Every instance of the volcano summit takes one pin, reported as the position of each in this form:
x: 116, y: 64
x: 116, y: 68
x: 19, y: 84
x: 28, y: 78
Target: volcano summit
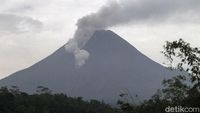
x: 113, y: 67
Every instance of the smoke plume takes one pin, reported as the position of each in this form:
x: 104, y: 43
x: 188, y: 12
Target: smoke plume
x: 137, y: 11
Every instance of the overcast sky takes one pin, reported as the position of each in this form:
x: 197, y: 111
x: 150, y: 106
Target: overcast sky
x: 30, y: 30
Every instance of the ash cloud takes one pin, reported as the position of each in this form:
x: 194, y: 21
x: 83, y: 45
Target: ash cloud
x: 138, y: 11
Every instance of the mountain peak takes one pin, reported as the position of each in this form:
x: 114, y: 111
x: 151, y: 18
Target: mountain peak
x: 107, y: 42
x: 104, y: 32
x: 114, y: 66
x: 104, y: 36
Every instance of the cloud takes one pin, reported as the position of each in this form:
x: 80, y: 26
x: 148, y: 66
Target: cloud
x: 26, y: 47
x: 18, y: 24
x: 155, y: 10
x: 58, y: 18
x: 115, y: 13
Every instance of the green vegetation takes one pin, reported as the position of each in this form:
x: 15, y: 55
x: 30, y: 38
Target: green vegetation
x: 181, y: 90
x: 14, y: 101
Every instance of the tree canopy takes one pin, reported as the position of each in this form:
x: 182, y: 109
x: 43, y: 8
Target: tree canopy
x: 178, y: 90
x: 14, y: 101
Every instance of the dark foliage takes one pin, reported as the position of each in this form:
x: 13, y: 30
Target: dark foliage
x: 14, y: 101
x: 179, y: 90
x: 189, y: 57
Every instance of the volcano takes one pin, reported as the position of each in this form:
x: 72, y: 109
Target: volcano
x: 114, y: 67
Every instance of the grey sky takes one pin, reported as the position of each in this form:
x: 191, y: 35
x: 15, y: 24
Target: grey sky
x: 31, y: 30
x: 10, y: 23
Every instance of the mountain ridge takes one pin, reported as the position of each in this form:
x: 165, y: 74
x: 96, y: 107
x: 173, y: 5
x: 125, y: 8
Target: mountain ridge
x: 114, y: 66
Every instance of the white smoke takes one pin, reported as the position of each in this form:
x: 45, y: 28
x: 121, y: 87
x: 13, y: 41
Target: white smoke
x: 115, y: 13
x: 87, y: 25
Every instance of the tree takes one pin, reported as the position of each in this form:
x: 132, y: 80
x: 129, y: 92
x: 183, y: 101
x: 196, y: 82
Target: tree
x: 43, y: 90
x: 15, y: 101
x: 189, y: 58
x: 178, y: 90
